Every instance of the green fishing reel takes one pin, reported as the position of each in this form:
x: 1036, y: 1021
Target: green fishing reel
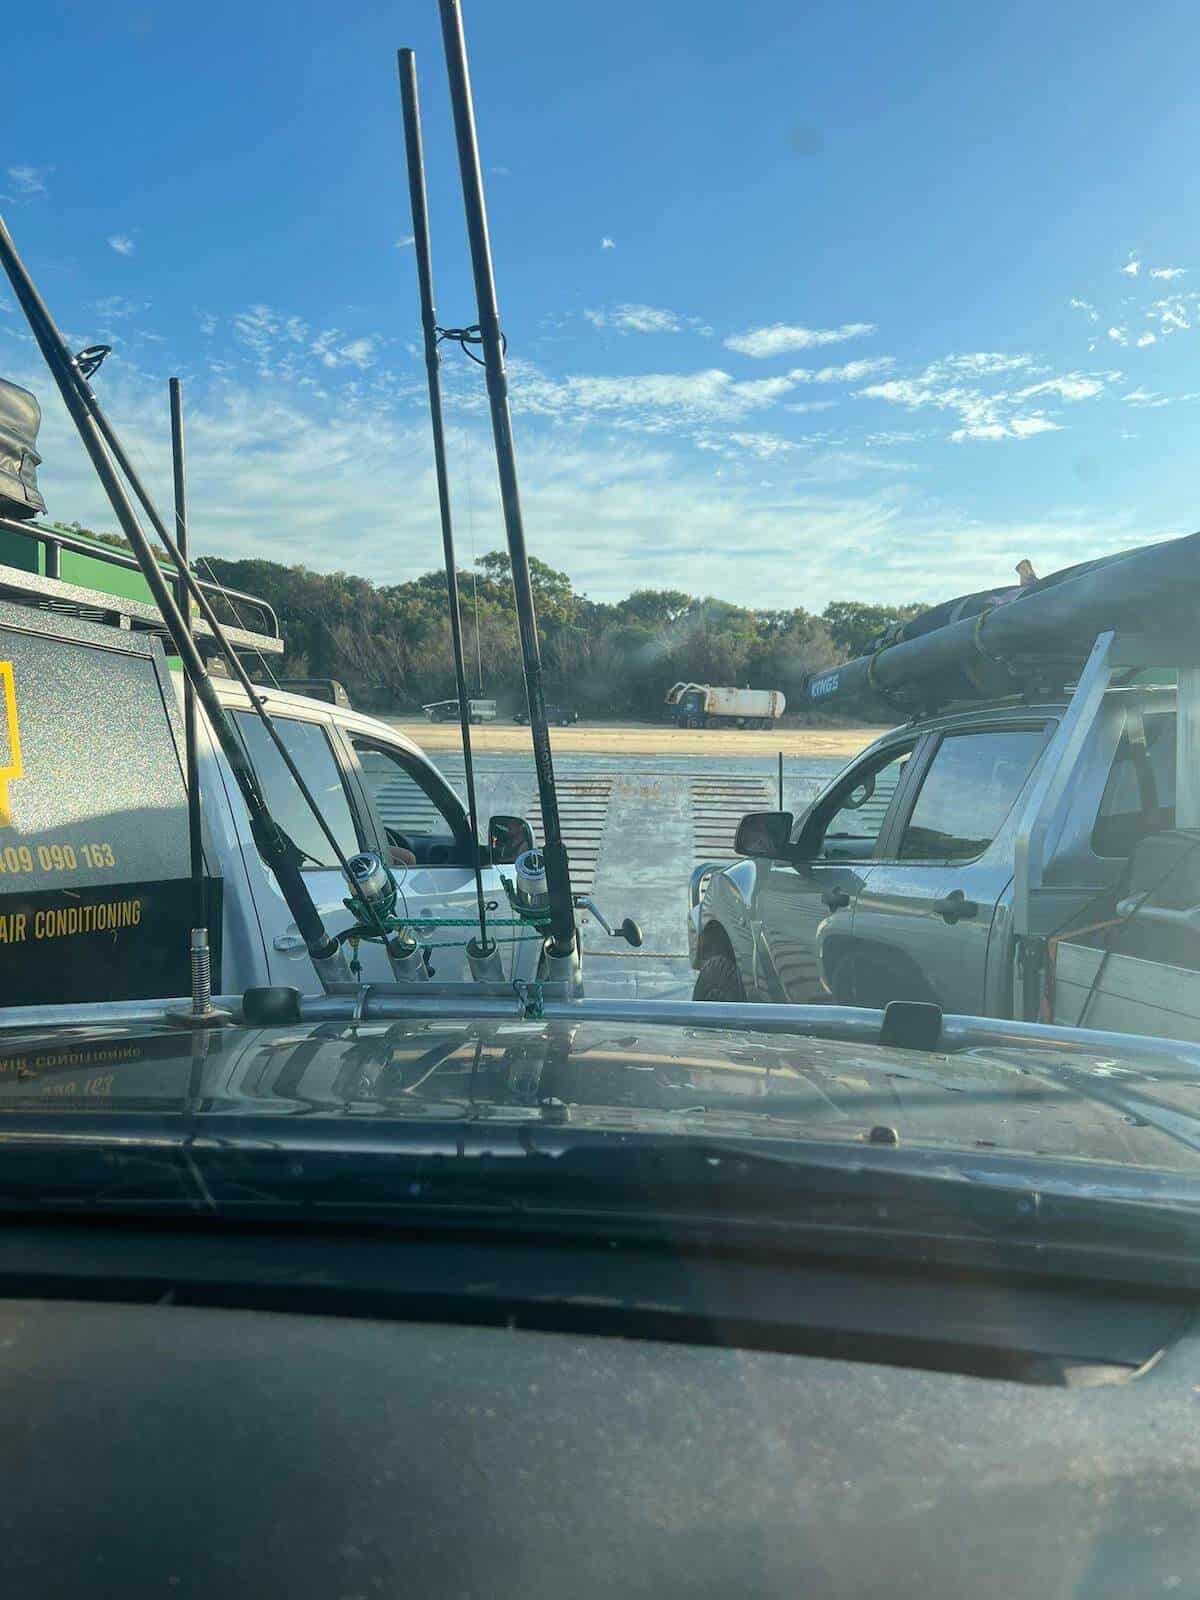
x: 373, y: 903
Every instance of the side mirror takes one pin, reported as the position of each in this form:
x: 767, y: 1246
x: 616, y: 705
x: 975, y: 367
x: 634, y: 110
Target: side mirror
x: 508, y: 837
x: 765, y: 835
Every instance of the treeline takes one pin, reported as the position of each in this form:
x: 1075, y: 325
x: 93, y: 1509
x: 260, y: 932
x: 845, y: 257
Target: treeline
x: 390, y: 643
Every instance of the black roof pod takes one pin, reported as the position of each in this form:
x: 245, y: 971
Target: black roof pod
x: 20, y: 418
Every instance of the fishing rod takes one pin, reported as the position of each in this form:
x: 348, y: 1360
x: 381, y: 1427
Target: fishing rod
x: 70, y: 374
x: 482, y: 953
x: 563, y: 943
x: 368, y: 889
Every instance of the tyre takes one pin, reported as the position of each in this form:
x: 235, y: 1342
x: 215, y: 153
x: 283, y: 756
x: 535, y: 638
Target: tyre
x: 719, y: 979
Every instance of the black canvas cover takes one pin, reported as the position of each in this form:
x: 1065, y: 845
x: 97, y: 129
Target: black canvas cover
x: 20, y: 417
x: 976, y: 646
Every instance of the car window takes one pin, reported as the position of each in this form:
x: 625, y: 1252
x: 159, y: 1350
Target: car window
x: 968, y: 791
x: 308, y: 745
x: 402, y: 803
x: 1139, y: 797
x: 854, y: 828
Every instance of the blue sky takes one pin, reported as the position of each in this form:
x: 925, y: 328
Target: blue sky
x: 802, y: 301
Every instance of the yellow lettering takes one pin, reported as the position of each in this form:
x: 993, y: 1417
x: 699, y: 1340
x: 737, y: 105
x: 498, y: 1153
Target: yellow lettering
x: 11, y: 769
x: 63, y: 922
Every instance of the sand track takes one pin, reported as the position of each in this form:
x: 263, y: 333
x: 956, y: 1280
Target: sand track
x: 644, y: 739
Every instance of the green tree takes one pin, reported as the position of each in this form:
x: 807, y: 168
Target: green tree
x: 854, y: 626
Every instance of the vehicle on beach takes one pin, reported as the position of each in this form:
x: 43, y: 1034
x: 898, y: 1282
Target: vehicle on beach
x: 448, y: 711
x: 1034, y: 856
x: 699, y: 705
x: 561, y: 715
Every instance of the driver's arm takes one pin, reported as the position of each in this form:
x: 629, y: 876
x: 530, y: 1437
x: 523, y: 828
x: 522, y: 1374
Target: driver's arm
x: 401, y: 857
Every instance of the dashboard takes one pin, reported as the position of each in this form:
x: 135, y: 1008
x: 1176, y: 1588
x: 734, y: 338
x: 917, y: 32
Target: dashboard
x: 194, y: 1413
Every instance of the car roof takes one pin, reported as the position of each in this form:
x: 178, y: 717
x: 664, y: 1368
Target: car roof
x: 231, y: 693
x: 997, y: 712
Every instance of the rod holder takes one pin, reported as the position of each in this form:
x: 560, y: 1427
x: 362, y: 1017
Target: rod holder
x: 567, y: 969
x: 408, y: 960
x: 484, y: 961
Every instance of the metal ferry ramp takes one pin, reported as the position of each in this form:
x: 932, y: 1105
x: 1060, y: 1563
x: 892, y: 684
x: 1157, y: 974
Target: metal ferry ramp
x: 634, y: 831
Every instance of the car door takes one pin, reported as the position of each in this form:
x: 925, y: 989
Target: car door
x: 806, y: 910
x: 310, y: 741
x: 413, y: 808
x: 923, y: 920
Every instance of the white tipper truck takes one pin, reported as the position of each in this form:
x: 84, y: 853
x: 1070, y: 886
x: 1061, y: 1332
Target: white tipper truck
x: 701, y: 705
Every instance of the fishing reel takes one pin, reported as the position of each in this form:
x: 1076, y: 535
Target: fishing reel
x: 373, y: 906
x: 531, y: 898
x: 629, y: 930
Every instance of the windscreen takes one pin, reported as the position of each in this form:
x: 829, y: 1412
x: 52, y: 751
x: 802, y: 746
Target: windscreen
x: 825, y: 469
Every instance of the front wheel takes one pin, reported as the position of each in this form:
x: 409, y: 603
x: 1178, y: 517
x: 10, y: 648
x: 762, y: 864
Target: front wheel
x: 719, y: 979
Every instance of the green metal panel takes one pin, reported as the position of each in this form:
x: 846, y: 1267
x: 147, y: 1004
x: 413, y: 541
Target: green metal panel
x: 16, y: 550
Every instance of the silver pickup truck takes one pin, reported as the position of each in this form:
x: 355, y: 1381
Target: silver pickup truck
x: 980, y: 860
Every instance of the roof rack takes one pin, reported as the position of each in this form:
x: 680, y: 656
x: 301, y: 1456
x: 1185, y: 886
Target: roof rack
x: 46, y: 590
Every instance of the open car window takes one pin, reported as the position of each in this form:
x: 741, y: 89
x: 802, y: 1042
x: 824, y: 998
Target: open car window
x: 861, y: 809
x: 411, y: 807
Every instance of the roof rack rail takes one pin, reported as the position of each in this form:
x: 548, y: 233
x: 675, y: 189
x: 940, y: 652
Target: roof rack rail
x: 43, y: 587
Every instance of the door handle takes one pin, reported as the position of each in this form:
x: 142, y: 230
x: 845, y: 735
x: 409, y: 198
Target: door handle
x: 289, y: 944
x: 955, y: 907
x: 836, y: 899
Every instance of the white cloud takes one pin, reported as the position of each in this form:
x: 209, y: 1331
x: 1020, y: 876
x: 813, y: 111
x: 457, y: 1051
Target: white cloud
x: 608, y: 244
x: 207, y: 323
x: 121, y: 243
x: 260, y: 455
x: 653, y: 401
x: 780, y: 337
x: 116, y: 308
x: 1133, y: 266
x: 360, y: 352
x: 1146, y: 339
x: 29, y: 180
x: 811, y: 405
x: 636, y: 319
x: 1173, y: 314
x: 1118, y: 335
x: 952, y: 385
x: 763, y: 445
x: 500, y: 172
x: 1167, y: 272
x: 851, y: 372
x: 331, y: 352
x: 403, y: 244
x: 257, y: 328
x: 1146, y: 399
x: 1074, y: 386
x: 1025, y: 427
x: 1088, y: 309
x: 984, y: 363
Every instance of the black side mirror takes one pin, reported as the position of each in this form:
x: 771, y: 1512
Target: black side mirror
x: 508, y: 837
x: 764, y: 834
